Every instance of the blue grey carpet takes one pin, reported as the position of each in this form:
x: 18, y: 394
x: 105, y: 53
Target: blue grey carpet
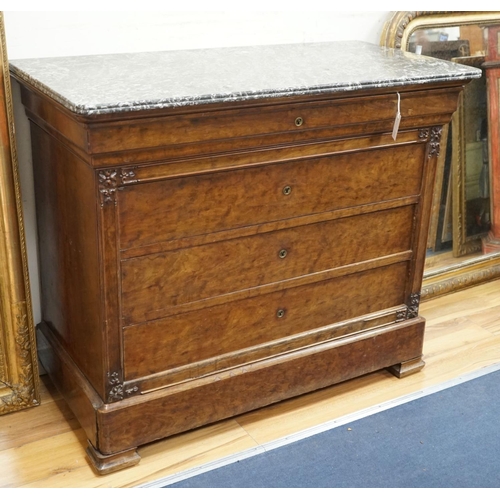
x: 448, y: 439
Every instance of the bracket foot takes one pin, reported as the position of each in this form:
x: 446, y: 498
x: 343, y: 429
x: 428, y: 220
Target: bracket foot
x: 105, y: 464
x: 407, y: 367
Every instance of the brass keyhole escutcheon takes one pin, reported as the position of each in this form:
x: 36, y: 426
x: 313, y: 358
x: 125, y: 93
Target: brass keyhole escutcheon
x: 282, y: 253
x: 287, y: 190
x: 299, y: 121
x: 280, y: 313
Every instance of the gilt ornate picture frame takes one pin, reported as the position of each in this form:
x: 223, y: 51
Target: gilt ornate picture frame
x: 19, y: 382
x: 467, y: 265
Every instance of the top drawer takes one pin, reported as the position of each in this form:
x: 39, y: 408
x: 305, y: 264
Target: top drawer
x: 256, y: 126
x: 171, y: 209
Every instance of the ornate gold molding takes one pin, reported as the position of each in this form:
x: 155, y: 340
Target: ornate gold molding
x: 394, y: 28
x: 19, y: 384
x: 458, y: 278
x: 402, y: 24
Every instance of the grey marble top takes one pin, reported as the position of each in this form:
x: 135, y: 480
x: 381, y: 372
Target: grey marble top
x: 100, y: 84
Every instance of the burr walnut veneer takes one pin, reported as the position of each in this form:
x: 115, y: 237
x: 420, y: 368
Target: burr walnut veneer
x: 202, y: 259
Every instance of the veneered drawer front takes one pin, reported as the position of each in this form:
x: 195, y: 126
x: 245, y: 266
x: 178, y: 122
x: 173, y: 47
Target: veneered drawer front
x: 267, y: 125
x: 207, y: 333
x: 201, y: 204
x: 153, y: 285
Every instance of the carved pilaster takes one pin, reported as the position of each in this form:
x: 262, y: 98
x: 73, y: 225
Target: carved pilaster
x: 411, y: 309
x: 108, y: 183
x: 117, y: 390
x: 433, y: 135
x: 413, y: 306
x: 112, y: 180
x: 115, y: 387
x: 435, y: 141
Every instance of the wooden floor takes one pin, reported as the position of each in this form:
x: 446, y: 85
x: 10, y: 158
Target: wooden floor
x: 44, y: 447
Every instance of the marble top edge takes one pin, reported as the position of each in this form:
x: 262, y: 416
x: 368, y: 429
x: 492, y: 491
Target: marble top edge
x: 101, y: 84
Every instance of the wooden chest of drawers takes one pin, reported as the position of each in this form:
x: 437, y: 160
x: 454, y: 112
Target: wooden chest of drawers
x: 199, y: 260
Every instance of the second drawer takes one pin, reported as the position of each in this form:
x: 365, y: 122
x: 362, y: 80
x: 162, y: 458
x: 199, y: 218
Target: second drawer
x: 154, y: 285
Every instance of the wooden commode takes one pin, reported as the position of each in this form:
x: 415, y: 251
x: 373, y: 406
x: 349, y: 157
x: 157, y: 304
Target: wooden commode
x: 222, y: 229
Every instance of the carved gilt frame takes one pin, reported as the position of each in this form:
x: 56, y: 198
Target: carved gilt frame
x: 462, y: 243
x: 395, y: 34
x: 19, y: 382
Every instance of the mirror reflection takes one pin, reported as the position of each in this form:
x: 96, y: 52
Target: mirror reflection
x: 461, y: 213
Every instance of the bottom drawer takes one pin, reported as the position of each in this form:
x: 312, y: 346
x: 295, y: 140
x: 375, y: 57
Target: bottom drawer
x: 195, y: 337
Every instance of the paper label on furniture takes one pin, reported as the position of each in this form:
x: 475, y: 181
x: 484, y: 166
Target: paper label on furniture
x: 397, y: 120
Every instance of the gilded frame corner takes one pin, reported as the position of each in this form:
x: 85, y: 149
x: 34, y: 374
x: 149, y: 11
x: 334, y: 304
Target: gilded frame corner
x: 19, y: 381
x: 402, y: 24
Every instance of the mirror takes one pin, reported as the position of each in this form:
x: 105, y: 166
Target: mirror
x: 470, y: 166
x: 18, y: 363
x: 461, y: 215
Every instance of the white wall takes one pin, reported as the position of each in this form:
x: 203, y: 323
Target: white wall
x: 47, y: 34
